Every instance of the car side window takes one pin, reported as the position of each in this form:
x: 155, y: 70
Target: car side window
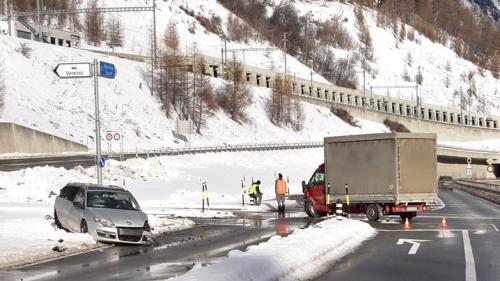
x: 70, y: 193
x: 80, y: 197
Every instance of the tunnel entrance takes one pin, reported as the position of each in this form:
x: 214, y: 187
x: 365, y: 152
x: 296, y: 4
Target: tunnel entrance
x: 496, y: 170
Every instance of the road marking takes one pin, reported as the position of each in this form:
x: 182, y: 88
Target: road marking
x: 417, y: 230
x: 470, y: 267
x: 495, y: 227
x: 459, y: 217
x: 415, y: 244
x: 40, y: 276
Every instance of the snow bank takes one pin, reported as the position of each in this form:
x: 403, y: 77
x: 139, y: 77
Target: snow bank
x: 293, y: 257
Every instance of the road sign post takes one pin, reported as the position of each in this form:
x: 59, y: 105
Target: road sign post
x: 88, y: 70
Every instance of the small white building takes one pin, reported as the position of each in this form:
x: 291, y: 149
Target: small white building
x: 28, y: 31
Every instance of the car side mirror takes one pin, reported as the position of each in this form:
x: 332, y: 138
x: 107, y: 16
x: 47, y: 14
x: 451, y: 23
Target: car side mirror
x: 78, y: 205
x: 303, y: 186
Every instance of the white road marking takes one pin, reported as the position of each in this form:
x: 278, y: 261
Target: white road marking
x: 495, y: 227
x: 417, y: 230
x: 470, y: 266
x: 415, y: 244
x: 40, y: 276
x: 459, y: 217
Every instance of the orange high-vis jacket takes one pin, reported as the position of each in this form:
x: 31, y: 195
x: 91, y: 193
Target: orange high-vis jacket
x: 280, y: 187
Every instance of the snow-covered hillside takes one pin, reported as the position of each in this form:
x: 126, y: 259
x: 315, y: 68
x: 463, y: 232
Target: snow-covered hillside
x: 37, y: 98
x: 440, y: 66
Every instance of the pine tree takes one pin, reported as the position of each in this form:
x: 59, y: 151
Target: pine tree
x: 114, y: 32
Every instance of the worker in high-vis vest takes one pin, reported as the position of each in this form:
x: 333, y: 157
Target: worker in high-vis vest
x: 254, y: 192
x: 280, y: 189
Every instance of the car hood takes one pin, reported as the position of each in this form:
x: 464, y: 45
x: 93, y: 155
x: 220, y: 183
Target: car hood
x: 123, y: 218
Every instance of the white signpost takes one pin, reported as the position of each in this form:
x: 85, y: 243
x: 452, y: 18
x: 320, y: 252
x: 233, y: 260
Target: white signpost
x: 469, y: 167
x: 88, y: 70
x: 73, y: 70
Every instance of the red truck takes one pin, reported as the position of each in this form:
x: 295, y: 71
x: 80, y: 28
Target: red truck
x: 375, y: 174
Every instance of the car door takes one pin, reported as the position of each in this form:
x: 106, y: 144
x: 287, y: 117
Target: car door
x: 64, y: 204
x: 75, y: 213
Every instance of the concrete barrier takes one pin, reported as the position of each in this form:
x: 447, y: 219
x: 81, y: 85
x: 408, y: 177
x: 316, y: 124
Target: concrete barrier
x: 16, y: 138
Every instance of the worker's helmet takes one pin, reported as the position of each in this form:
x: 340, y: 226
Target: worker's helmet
x: 257, y: 182
x: 280, y: 176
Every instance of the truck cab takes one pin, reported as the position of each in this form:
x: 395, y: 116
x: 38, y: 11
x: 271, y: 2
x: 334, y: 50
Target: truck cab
x: 314, y: 193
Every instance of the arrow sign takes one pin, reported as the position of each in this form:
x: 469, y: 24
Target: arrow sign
x: 73, y: 70
x: 107, y: 70
x: 415, y: 244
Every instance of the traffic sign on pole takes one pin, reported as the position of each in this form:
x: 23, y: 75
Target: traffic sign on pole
x: 490, y: 169
x: 109, y: 136
x: 102, y: 162
x: 116, y: 136
x: 73, y: 70
x: 490, y: 161
x: 469, y: 161
x: 107, y: 70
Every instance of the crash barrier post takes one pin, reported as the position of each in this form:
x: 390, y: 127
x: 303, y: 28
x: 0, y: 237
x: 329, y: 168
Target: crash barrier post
x: 328, y: 186
x: 347, y: 201
x: 338, y: 210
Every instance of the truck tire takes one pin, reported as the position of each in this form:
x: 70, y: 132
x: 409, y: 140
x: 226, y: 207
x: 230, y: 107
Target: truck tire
x: 310, y: 210
x: 372, y: 212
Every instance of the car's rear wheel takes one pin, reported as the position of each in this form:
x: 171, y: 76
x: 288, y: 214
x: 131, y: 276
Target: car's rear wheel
x: 56, y: 220
x: 83, y: 227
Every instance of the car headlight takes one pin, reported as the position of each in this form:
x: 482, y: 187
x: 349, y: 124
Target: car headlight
x: 104, y: 222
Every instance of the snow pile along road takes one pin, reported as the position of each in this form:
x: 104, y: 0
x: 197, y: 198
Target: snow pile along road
x: 296, y: 256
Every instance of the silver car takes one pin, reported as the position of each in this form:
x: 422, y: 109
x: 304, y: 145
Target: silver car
x: 107, y: 213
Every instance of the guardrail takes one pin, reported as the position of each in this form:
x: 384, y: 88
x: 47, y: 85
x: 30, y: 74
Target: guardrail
x: 88, y: 159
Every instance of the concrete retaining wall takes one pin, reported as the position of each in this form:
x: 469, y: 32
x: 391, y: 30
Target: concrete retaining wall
x: 15, y: 138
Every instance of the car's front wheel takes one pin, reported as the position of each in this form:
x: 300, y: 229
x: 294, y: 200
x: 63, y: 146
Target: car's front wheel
x: 83, y: 227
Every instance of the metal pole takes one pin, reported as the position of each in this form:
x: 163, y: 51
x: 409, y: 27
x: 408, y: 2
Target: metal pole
x: 225, y: 60
x: 154, y: 32
x: 97, y: 122
x: 38, y: 11
x: 285, y: 52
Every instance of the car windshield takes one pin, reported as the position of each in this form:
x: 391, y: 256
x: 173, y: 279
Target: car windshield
x: 111, y: 200
x: 444, y: 178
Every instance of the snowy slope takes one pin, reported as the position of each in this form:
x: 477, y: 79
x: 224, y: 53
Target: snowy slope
x: 438, y: 62
x: 137, y: 30
x: 37, y: 98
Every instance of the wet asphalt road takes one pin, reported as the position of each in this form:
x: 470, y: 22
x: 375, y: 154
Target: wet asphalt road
x: 467, y: 249
x: 176, y: 253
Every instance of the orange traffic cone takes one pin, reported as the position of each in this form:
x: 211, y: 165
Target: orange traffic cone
x: 443, y: 222
x: 407, y: 223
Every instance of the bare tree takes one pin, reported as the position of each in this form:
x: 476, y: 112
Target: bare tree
x: 282, y: 107
x: 235, y: 96
x: 94, y: 25
x: 419, y: 77
x: 174, y: 67
x: 203, y: 99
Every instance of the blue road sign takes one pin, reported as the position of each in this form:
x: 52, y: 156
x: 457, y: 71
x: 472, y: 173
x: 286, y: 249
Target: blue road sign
x: 107, y: 70
x: 102, y: 162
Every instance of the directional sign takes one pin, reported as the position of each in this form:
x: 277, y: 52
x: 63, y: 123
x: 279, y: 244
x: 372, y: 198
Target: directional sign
x: 107, y: 70
x: 102, y: 162
x: 73, y: 70
x: 415, y: 244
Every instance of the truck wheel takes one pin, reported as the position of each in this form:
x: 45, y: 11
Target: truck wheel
x: 310, y: 210
x: 372, y: 212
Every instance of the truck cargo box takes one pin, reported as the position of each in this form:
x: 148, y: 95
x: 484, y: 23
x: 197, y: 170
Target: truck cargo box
x: 381, y: 168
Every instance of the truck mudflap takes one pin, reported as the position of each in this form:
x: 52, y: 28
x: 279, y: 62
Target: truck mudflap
x: 404, y: 208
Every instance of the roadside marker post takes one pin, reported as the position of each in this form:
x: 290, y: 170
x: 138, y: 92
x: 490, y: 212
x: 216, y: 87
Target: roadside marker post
x: 347, y: 200
x: 338, y: 211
